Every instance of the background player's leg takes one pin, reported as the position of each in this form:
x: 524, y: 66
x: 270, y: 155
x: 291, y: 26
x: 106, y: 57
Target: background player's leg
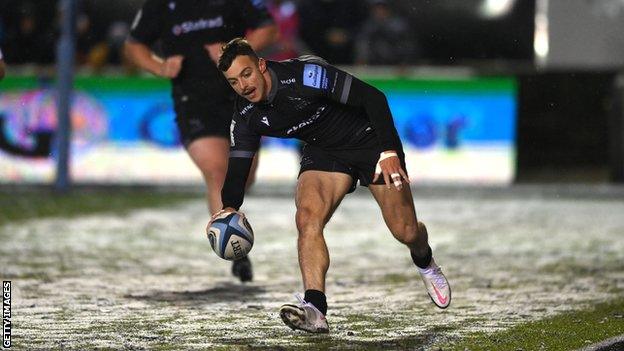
x: 210, y: 155
x: 318, y: 195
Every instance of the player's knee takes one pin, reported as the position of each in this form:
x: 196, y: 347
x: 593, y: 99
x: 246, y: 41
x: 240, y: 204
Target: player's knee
x: 214, y: 172
x: 308, y: 222
x: 406, y: 232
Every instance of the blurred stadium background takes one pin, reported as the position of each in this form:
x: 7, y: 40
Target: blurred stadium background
x: 486, y: 94
x: 483, y: 91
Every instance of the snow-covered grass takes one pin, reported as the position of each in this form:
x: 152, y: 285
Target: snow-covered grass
x: 148, y: 279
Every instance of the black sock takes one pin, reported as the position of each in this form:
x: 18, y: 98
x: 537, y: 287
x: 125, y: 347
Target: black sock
x: 424, y: 261
x: 318, y: 299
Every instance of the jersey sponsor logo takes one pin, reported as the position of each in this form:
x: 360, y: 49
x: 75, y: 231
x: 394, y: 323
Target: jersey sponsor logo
x: 200, y: 24
x: 288, y: 81
x: 314, y: 76
x: 246, y: 108
x: 265, y: 120
x: 307, y: 122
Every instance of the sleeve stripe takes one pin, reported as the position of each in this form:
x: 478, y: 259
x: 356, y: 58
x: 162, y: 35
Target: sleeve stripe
x: 346, y: 88
x: 242, y: 154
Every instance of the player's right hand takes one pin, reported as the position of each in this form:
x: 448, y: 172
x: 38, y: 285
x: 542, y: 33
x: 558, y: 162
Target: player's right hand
x: 172, y: 66
x: 389, y: 166
x: 218, y: 213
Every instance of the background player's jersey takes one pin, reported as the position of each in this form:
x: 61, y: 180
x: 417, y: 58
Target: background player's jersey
x: 183, y: 27
x: 312, y: 101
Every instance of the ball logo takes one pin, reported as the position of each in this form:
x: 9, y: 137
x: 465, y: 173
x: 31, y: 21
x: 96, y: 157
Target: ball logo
x: 236, y: 248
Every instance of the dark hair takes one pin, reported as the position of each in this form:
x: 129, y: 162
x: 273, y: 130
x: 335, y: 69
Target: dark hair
x: 236, y: 47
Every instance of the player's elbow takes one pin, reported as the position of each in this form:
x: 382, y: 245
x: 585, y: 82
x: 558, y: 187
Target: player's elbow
x: 128, y: 50
x: 263, y: 37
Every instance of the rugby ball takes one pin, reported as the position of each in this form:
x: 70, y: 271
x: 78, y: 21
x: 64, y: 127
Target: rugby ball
x: 231, y: 236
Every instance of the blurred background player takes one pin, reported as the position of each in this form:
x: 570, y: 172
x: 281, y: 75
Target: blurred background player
x: 385, y: 38
x: 188, y: 35
x: 287, y: 18
x: 350, y: 137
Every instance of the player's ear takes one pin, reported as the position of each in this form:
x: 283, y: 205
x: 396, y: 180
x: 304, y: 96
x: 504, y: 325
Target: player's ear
x: 262, y: 65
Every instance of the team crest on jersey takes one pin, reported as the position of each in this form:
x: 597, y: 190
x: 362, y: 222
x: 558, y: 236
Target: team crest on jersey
x: 314, y: 76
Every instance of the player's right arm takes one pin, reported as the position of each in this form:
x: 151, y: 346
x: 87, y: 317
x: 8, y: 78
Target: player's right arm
x: 145, y: 30
x: 244, y: 145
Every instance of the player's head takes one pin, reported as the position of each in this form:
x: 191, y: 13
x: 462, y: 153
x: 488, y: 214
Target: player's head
x: 244, y: 70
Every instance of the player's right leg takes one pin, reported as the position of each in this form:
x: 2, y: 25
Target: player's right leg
x: 318, y: 195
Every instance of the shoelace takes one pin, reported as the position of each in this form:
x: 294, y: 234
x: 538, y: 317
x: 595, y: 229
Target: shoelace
x: 435, y: 274
x: 305, y: 303
x: 300, y: 298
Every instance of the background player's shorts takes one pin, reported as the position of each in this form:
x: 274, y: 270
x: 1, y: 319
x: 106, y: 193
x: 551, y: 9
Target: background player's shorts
x: 359, y: 163
x: 200, y: 114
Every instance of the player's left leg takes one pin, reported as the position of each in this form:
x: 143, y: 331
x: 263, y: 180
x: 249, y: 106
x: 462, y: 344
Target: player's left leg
x: 397, y: 207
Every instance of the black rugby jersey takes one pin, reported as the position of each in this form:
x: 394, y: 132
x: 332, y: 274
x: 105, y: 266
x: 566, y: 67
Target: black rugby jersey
x: 312, y: 101
x: 183, y: 27
x: 315, y: 102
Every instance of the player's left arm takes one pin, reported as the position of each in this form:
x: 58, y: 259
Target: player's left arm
x: 262, y: 37
x: 342, y: 87
x: 262, y: 30
x: 375, y: 103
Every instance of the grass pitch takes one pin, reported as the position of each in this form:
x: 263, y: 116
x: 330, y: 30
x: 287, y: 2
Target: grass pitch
x: 529, y: 273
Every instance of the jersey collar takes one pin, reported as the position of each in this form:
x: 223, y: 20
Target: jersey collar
x: 274, y: 82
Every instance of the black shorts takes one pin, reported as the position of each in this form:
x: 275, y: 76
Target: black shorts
x: 360, y: 164
x: 200, y: 114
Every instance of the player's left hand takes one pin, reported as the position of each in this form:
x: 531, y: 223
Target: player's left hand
x: 389, y: 166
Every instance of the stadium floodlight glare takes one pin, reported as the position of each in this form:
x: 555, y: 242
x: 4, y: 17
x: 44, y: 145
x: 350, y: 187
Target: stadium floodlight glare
x: 540, y: 39
x: 496, y: 8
